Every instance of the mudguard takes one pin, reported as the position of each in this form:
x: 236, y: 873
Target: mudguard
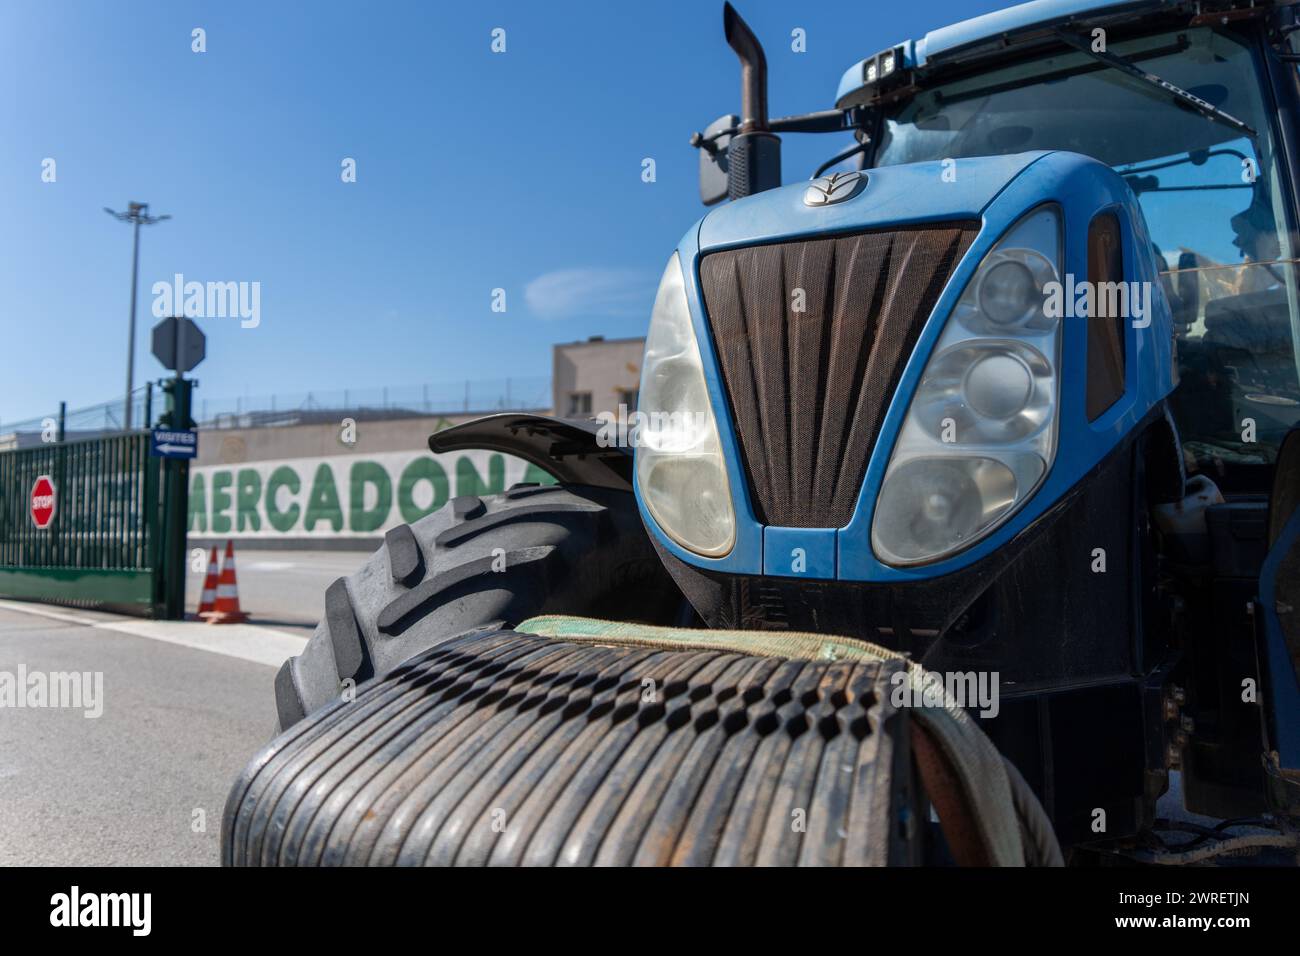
x: 569, y: 449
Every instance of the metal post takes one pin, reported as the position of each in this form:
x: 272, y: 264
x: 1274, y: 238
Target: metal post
x: 60, y: 484
x: 130, y: 339
x: 176, y: 481
x: 137, y: 213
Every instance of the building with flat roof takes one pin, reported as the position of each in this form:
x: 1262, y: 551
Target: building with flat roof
x: 595, y: 376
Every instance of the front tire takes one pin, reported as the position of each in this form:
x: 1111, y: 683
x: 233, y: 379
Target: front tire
x: 479, y: 562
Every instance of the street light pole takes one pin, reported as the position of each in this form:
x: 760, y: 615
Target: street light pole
x: 138, y: 215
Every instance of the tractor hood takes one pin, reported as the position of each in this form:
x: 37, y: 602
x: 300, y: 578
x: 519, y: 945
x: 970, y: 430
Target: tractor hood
x: 891, y: 196
x: 821, y: 353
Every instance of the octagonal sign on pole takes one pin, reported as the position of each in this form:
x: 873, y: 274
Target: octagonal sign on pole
x: 43, y: 500
x: 178, y: 343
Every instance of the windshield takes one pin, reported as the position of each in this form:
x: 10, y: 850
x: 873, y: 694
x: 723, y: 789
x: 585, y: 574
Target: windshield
x: 1210, y: 196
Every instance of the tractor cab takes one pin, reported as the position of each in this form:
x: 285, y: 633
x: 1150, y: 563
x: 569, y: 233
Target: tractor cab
x: 1194, y: 105
x: 1214, y: 186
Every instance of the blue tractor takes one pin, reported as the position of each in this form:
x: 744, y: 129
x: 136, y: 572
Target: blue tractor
x: 957, y: 521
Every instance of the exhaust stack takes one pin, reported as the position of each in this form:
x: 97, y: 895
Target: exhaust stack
x: 753, y: 70
x: 754, y: 154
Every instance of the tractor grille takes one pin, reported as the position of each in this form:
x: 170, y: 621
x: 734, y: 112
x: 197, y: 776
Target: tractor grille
x: 808, y: 390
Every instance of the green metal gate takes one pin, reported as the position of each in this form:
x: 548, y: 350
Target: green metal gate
x: 105, y: 544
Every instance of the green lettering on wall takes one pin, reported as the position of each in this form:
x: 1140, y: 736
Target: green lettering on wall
x: 323, y: 502
x: 469, y: 482
x: 421, y: 469
x: 282, y: 477
x: 247, y: 490
x: 368, y: 473
x: 220, y: 501
x: 198, y: 516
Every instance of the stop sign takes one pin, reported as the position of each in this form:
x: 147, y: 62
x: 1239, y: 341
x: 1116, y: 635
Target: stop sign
x: 42, y: 502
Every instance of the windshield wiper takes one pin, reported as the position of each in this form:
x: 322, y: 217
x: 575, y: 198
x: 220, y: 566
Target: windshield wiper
x: 1176, y: 93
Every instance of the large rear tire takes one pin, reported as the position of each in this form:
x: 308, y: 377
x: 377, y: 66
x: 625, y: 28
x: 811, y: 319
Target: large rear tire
x: 477, y: 563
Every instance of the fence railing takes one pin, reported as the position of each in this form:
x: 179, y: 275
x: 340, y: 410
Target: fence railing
x: 529, y: 393
x: 93, y: 421
x: 391, y: 401
x: 99, y: 538
x: 106, y: 489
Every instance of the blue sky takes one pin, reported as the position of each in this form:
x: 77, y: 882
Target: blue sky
x: 475, y: 171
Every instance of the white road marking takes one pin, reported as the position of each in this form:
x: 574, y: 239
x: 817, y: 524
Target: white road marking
x: 44, y: 612
x: 248, y: 642
x: 269, y: 566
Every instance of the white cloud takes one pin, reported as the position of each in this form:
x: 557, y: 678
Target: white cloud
x: 565, y: 293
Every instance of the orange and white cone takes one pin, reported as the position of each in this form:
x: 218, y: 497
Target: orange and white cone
x: 208, y: 600
x: 227, y: 605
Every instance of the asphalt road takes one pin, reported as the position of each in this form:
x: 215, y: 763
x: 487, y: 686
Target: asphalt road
x: 178, y: 724
x: 284, y: 589
x: 181, y: 717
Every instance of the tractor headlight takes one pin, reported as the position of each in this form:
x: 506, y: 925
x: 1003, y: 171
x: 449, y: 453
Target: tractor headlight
x: 980, y: 433
x: 680, y: 469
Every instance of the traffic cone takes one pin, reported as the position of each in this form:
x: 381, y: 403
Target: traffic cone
x: 227, y: 609
x: 207, y: 602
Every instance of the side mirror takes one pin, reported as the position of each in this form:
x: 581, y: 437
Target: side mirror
x: 715, y: 169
